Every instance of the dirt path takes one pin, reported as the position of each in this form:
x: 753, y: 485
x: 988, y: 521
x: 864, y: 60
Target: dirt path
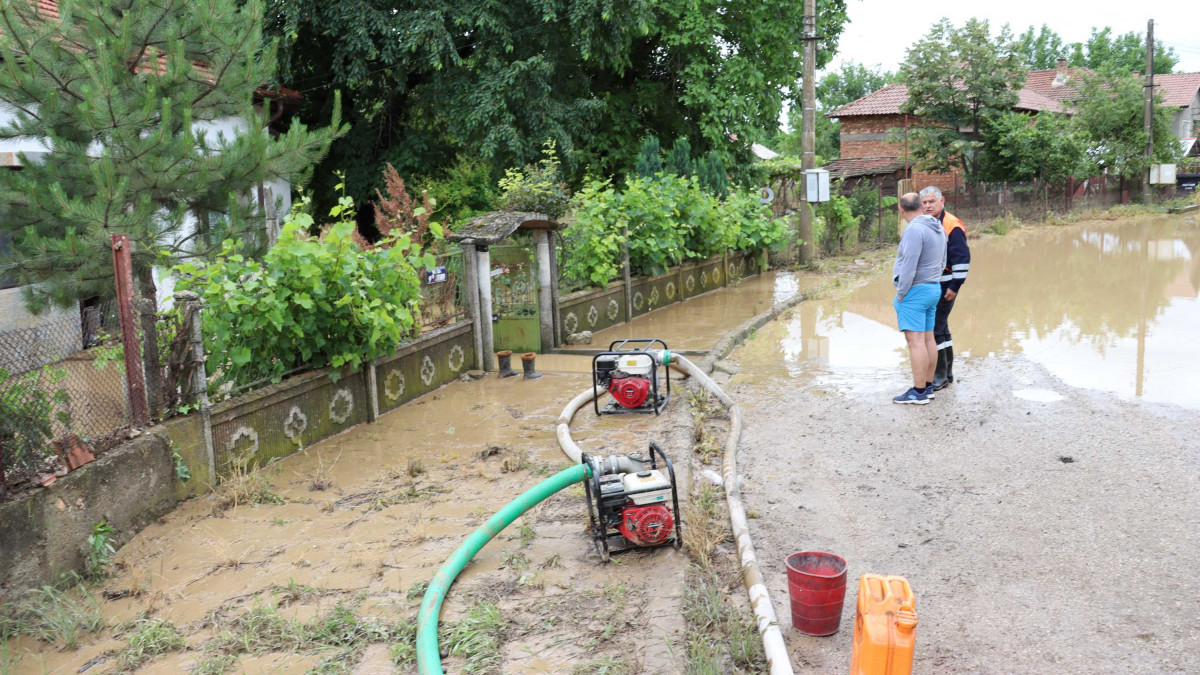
x: 1039, y: 537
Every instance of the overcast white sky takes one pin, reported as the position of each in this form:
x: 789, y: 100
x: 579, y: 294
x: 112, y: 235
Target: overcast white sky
x: 880, y: 30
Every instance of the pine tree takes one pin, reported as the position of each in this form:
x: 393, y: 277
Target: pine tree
x: 711, y: 171
x: 125, y: 94
x: 679, y: 161
x: 649, y: 160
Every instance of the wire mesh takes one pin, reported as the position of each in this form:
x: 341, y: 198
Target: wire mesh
x: 442, y: 292
x: 51, y: 387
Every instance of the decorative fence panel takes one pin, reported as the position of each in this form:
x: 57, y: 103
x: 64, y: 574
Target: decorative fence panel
x: 423, y: 366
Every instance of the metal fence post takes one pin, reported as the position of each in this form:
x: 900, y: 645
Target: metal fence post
x: 134, y: 378
x: 372, y: 393
x: 190, y: 302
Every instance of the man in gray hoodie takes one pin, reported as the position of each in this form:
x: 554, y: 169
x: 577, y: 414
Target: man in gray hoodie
x: 917, y: 276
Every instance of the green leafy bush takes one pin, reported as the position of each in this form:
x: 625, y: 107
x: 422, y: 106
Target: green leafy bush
x: 311, y: 301
x: 465, y: 190
x: 670, y: 219
x: 27, y: 414
x: 750, y: 223
x: 538, y: 188
x: 839, y: 221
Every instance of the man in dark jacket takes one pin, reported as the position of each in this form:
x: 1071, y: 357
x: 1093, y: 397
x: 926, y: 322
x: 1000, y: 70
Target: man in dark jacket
x: 958, y: 263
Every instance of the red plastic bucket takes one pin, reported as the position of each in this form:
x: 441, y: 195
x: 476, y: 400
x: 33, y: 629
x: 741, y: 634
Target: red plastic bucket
x: 817, y: 589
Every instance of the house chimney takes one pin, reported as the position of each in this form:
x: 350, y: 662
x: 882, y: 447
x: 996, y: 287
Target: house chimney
x: 1061, y: 64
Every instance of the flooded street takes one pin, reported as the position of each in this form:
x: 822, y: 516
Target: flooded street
x: 364, y: 519
x: 1043, y: 506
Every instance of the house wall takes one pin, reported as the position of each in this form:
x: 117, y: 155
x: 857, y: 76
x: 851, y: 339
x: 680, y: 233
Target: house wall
x: 1187, y: 119
x: 869, y: 136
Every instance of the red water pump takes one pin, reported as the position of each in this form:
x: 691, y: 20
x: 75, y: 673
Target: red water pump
x: 629, y: 372
x: 634, y: 510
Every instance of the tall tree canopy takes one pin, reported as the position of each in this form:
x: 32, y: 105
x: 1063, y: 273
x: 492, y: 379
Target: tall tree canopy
x: 1041, y: 50
x: 128, y: 98
x: 959, y: 81
x: 426, y: 81
x: 1109, y: 118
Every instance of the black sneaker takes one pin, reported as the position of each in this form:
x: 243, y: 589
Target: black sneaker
x: 913, y: 396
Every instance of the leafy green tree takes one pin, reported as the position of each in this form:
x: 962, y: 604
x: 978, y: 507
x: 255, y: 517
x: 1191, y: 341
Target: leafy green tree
x: 1019, y: 147
x: 1041, y: 50
x: 493, y: 80
x: 959, y: 80
x: 1109, y: 118
x: 126, y: 93
x: 1125, y: 52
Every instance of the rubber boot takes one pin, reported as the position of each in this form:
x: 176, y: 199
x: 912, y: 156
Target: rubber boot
x: 949, y: 364
x: 527, y: 363
x: 505, y: 359
x: 939, y: 372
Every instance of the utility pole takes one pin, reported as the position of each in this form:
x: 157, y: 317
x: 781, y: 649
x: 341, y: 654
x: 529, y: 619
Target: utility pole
x: 808, y: 133
x: 1149, y: 114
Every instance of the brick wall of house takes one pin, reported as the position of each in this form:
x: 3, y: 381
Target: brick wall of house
x: 869, y: 136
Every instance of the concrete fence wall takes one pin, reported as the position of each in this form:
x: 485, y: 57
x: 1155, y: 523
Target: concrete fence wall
x: 44, y: 534
x: 595, y: 310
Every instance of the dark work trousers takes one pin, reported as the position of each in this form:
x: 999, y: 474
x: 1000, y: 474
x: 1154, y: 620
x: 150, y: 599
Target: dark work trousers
x: 941, y: 329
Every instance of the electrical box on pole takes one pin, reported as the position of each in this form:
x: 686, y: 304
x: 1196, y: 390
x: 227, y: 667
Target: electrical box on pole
x: 1162, y: 174
x: 816, y: 185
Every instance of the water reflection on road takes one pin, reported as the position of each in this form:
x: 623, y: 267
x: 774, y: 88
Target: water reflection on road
x: 1109, y: 306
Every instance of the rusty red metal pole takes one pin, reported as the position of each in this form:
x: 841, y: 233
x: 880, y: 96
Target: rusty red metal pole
x: 134, y: 378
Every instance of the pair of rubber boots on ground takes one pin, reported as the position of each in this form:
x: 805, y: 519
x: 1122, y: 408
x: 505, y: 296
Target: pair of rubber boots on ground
x: 943, y: 375
x: 505, y: 359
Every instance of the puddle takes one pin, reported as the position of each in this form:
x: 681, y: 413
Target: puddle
x: 699, y: 322
x: 1108, y: 306
x: 1038, y: 395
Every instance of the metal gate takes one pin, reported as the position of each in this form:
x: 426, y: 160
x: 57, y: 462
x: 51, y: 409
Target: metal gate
x: 515, y: 299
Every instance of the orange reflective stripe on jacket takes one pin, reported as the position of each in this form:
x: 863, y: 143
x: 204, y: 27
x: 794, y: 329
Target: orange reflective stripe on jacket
x: 951, y: 221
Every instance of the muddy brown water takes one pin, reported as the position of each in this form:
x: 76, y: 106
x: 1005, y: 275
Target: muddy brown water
x: 697, y: 323
x: 373, y: 531
x: 1075, y: 342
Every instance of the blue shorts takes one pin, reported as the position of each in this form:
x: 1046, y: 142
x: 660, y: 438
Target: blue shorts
x: 918, y: 308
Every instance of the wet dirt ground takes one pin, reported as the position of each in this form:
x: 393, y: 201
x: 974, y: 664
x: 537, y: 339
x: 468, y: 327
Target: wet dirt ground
x: 1044, y: 505
x: 353, y: 524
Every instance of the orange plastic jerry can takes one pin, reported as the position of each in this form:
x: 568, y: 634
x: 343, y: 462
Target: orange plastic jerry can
x: 885, y: 627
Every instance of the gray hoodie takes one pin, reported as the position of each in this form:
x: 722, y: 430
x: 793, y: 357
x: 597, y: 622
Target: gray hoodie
x: 921, y: 256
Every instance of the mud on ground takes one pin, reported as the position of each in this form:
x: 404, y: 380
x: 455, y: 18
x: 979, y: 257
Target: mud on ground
x: 363, y: 520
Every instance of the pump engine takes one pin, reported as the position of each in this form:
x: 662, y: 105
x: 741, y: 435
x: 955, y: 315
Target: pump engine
x: 634, y: 510
x: 630, y: 374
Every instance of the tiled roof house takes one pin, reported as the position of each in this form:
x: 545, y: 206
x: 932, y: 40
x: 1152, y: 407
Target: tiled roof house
x: 870, y: 151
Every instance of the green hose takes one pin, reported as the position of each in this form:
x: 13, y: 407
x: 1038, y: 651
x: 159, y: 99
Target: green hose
x: 429, y: 658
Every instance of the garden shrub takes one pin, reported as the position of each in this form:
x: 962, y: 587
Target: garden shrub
x: 537, y: 188
x: 29, y: 406
x: 312, y: 301
x: 467, y: 189
x: 670, y: 219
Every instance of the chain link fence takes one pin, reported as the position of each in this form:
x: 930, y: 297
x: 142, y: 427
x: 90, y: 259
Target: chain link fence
x: 60, y: 378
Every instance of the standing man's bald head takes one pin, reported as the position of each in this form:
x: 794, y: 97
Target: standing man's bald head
x: 910, y: 205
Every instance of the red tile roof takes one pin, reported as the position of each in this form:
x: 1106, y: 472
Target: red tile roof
x: 863, y: 166
x: 48, y: 7
x: 1177, y: 89
x: 887, y: 101
x: 1042, y: 81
